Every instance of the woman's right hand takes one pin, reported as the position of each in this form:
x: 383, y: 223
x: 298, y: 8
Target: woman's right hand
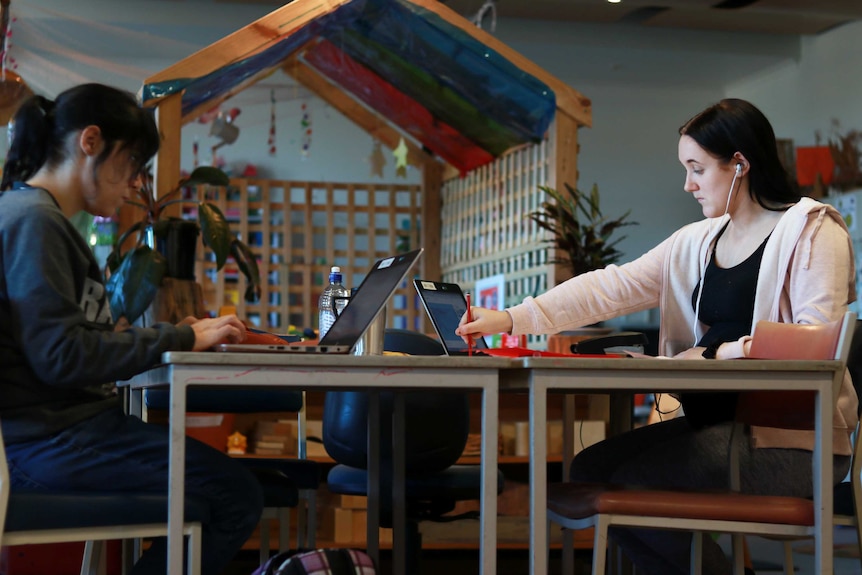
x: 212, y: 331
x: 484, y: 322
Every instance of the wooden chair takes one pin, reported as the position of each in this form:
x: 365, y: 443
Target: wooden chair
x: 30, y: 516
x: 579, y: 506
x: 847, y: 495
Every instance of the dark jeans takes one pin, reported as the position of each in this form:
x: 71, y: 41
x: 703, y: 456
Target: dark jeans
x: 672, y: 455
x: 114, y: 451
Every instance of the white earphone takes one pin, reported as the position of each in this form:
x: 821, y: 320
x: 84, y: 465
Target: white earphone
x: 739, y: 169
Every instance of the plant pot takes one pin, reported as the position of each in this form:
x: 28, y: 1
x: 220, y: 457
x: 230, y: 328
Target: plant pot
x: 179, y: 245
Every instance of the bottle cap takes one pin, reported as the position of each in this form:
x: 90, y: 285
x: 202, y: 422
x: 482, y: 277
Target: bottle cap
x: 335, y: 270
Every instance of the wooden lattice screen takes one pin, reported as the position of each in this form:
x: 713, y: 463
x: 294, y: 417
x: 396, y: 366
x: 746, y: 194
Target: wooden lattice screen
x: 486, y: 230
x: 299, y: 230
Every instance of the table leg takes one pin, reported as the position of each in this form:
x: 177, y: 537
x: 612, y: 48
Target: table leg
x: 399, y: 477
x: 823, y: 481
x: 538, y: 477
x: 373, y: 487
x: 176, y: 474
x: 490, y: 430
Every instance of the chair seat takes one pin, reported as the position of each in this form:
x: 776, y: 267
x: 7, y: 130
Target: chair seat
x: 456, y: 483
x: 304, y: 473
x: 229, y: 400
x: 582, y: 500
x: 37, y: 510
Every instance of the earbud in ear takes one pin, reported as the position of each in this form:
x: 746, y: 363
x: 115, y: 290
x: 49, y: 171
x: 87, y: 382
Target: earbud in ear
x: 739, y: 169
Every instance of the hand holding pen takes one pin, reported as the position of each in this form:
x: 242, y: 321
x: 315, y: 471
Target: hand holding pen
x: 479, y: 321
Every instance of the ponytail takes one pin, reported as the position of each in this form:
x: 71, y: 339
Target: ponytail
x: 30, y: 138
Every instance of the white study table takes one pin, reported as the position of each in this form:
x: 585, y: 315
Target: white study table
x: 335, y: 372
x: 628, y: 375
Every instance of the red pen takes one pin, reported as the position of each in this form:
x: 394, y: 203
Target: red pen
x: 469, y: 320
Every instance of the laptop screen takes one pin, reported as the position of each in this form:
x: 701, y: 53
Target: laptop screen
x: 373, y: 293
x: 445, y: 304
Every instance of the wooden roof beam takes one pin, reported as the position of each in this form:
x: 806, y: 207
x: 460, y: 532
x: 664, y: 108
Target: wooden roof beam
x: 247, y: 41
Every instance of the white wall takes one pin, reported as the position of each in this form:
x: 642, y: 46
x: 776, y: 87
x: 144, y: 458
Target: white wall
x: 805, y: 96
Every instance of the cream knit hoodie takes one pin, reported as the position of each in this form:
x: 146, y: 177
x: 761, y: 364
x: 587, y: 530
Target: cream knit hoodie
x: 807, y: 275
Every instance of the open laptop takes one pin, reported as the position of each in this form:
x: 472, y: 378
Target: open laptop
x: 445, y: 304
x: 371, y: 297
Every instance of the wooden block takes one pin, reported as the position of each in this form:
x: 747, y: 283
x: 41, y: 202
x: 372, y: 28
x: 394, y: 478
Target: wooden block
x: 555, y: 437
x: 507, y: 438
x: 325, y: 523
x: 283, y: 429
x: 587, y: 433
x: 343, y: 530
x: 353, y: 502
x: 360, y: 524
x: 266, y: 451
x: 385, y: 536
x: 279, y: 439
x: 279, y: 445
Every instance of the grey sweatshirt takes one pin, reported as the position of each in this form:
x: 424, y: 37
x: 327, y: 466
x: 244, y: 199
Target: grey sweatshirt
x: 59, y: 353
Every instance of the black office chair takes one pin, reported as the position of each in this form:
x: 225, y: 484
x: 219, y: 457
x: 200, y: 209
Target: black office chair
x: 287, y: 483
x: 437, y: 425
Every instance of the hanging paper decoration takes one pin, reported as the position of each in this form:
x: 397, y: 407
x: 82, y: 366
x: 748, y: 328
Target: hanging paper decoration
x: 271, y: 141
x: 209, y: 115
x: 305, y: 124
x: 7, y: 62
x: 377, y: 159
x: 400, y: 153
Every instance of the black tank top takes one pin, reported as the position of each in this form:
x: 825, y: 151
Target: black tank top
x: 727, y: 307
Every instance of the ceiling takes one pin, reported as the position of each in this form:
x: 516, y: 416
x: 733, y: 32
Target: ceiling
x: 762, y: 16
x: 767, y: 16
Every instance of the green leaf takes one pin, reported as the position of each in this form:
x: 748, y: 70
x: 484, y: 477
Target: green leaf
x: 133, y: 286
x: 215, y: 231
x: 247, y: 263
x: 206, y: 175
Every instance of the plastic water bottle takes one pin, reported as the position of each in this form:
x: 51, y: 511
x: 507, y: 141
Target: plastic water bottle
x: 333, y: 299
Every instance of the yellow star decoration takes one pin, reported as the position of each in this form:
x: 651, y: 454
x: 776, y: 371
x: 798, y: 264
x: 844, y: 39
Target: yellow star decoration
x: 400, y: 153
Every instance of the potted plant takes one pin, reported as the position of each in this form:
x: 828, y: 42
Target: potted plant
x: 582, y: 234
x: 135, y: 276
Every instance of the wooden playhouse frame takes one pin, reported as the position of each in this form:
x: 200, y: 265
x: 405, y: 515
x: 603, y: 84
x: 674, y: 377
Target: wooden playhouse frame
x: 472, y: 225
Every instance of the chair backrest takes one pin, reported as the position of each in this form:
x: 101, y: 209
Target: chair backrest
x: 791, y: 341
x: 4, y: 485
x: 848, y: 495
x: 437, y: 423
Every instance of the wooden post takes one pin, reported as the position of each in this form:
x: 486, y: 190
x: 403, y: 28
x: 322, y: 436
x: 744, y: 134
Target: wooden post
x: 432, y: 204
x: 166, y: 168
